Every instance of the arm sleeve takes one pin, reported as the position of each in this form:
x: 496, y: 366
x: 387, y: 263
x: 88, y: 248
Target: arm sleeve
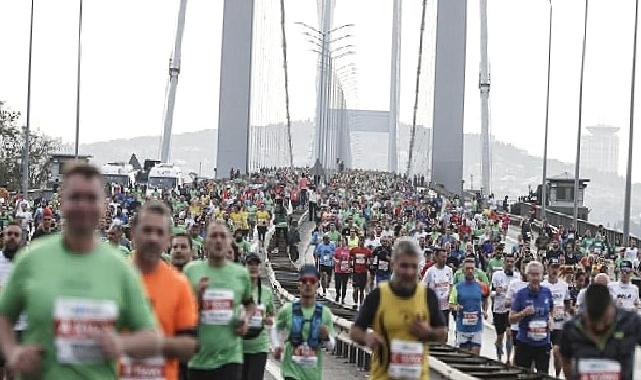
x: 368, y: 310
x: 186, y: 315
x: 436, y: 316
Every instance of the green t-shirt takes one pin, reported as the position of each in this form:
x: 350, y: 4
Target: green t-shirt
x: 251, y: 213
x: 229, y: 286
x: 59, y: 290
x: 494, y: 264
x: 266, y: 307
x: 334, y: 236
x: 197, y: 244
x: 124, y: 251
x: 243, y: 247
x: 284, y: 323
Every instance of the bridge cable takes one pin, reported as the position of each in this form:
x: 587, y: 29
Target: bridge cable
x: 418, y: 78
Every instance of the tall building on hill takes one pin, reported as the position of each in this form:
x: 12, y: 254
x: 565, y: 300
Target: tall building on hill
x: 600, y: 149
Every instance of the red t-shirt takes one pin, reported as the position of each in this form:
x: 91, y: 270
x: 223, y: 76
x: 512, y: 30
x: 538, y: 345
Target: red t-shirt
x: 341, y: 257
x: 360, y: 258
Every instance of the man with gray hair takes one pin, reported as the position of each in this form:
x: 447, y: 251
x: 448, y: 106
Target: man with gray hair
x: 532, y: 308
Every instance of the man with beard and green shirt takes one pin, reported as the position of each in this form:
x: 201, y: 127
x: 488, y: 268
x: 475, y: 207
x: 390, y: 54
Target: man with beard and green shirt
x: 496, y: 262
x: 223, y: 290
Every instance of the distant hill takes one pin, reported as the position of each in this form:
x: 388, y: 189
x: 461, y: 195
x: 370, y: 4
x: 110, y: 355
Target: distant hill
x: 513, y: 169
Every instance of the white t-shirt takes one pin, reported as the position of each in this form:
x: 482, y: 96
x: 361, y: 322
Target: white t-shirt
x: 500, y: 283
x: 560, y: 294
x: 631, y: 254
x: 440, y: 280
x: 513, y: 288
x: 626, y: 296
x: 5, y: 269
x: 372, y: 242
x: 25, y: 217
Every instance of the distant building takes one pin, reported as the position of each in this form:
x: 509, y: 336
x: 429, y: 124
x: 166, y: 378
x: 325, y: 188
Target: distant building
x: 600, y: 149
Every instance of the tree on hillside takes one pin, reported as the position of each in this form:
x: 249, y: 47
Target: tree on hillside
x: 11, y: 151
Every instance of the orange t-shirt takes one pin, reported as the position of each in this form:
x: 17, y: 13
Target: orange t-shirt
x: 174, y: 304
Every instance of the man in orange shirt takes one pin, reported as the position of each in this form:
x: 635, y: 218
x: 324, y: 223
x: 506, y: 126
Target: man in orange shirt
x: 168, y: 292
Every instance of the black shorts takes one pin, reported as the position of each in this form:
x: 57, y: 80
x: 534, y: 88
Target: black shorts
x: 359, y: 280
x: 514, y: 334
x: 328, y: 270
x: 500, y: 322
x: 555, y: 337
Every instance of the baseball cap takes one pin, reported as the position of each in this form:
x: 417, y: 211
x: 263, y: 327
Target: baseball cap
x: 252, y: 258
x: 627, y: 265
x: 554, y: 261
x: 308, y: 270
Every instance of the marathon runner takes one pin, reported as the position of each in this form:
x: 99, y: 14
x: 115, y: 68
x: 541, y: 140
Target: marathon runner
x: 403, y: 316
x: 600, y: 342
x: 342, y: 269
x: 169, y: 294
x: 469, y: 299
x: 181, y: 250
x: 501, y: 280
x: 11, y: 243
x: 562, y: 307
x: 361, y: 257
x: 256, y: 342
x: 531, y: 308
x: 302, y: 328
x: 324, y: 256
x: 626, y: 294
x: 381, y: 261
x: 71, y: 284
x: 223, y: 290
x: 439, y: 278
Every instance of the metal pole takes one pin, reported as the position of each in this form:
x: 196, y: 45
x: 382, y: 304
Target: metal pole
x: 289, y: 121
x: 78, y: 81
x: 577, y: 164
x: 484, y: 89
x: 25, y: 158
x: 395, y: 85
x: 628, y: 174
x: 547, y: 114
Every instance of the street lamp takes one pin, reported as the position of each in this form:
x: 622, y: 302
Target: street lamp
x: 78, y: 81
x: 577, y: 163
x: 547, y: 118
x: 25, y: 159
x: 628, y: 173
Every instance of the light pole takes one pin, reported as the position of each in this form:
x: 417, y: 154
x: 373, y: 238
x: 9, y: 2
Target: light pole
x: 547, y: 118
x: 577, y: 163
x: 25, y: 159
x: 78, y: 81
x: 628, y: 174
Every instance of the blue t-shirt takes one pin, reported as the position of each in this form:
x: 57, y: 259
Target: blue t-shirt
x: 534, y: 330
x: 470, y: 319
x: 325, y: 254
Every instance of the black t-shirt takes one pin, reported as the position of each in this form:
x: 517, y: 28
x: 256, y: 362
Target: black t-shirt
x: 39, y: 233
x: 366, y: 315
x: 571, y: 259
x: 385, y: 255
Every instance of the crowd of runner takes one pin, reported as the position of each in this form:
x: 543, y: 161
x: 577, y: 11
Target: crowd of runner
x: 167, y: 284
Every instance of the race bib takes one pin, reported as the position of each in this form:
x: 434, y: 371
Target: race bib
x: 142, y: 369
x: 537, y: 330
x: 217, y: 307
x: 558, y: 313
x: 598, y: 369
x: 344, y: 266
x: 257, y: 319
x: 443, y: 303
x: 75, y: 321
x: 383, y: 266
x: 305, y: 357
x: 406, y: 360
x: 470, y: 318
x: 360, y: 259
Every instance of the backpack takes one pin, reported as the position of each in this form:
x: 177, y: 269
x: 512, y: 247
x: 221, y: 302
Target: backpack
x: 298, y: 321
x: 253, y: 332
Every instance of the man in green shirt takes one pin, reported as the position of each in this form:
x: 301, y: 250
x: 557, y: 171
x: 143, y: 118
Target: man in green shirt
x: 242, y: 245
x: 256, y: 342
x: 334, y: 235
x: 197, y: 242
x: 77, y: 294
x: 496, y: 262
x: 301, y: 349
x: 223, y: 290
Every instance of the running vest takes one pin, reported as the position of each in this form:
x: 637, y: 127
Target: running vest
x: 298, y: 320
x: 402, y: 355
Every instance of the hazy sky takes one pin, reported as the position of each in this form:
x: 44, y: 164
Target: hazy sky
x: 127, y: 44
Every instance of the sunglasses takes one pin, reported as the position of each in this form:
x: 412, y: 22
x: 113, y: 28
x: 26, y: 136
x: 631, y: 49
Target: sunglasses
x: 308, y: 280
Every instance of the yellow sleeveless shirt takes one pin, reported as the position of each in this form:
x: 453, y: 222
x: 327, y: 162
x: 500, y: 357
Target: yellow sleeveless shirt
x: 392, y: 323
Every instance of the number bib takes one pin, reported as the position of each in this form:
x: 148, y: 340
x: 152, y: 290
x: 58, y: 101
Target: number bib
x: 406, y: 360
x: 360, y: 259
x: 144, y: 369
x: 470, y: 318
x: 257, y: 319
x: 383, y: 266
x: 75, y: 320
x: 305, y: 357
x: 537, y: 330
x: 558, y: 313
x: 598, y: 369
x: 344, y: 266
x: 217, y: 307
